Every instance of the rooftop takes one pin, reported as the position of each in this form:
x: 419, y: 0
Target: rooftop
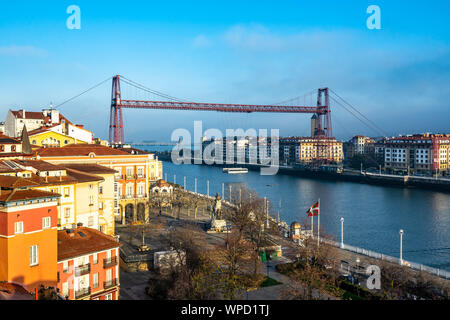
x: 16, y: 182
x: 81, y: 176
x: 15, y: 195
x: 39, y: 165
x: 79, y: 150
x: 90, y: 168
x: 28, y: 114
x: 80, y: 241
x: 4, y: 139
x: 11, y: 291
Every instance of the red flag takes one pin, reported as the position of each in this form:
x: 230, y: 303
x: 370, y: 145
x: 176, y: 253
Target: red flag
x: 314, y: 210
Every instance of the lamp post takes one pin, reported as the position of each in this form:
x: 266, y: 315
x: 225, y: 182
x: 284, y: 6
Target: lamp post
x: 342, y: 233
x: 195, y: 183
x: 401, y: 247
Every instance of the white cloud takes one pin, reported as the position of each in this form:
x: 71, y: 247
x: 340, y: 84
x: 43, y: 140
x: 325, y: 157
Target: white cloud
x: 15, y: 51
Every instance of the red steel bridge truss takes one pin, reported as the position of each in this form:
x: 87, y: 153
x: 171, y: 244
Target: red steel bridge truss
x: 116, y: 128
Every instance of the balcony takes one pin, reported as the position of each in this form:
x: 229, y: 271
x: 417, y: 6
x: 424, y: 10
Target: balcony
x: 134, y: 196
x: 83, y: 292
x: 109, y: 284
x: 111, y: 262
x: 82, y: 270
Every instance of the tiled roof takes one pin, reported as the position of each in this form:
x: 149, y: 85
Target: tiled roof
x: 75, y: 244
x: 39, y: 165
x: 51, y: 181
x: 133, y: 151
x: 90, y: 168
x: 16, y: 182
x: 83, y: 176
x: 28, y: 115
x: 4, y: 139
x: 11, y: 291
x: 41, y: 129
x: 160, y: 183
x: 79, y: 150
x: 15, y: 195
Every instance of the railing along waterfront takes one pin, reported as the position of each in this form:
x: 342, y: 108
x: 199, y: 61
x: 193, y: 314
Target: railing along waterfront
x: 415, y: 266
x: 372, y: 254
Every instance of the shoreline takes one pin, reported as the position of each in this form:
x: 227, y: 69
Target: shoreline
x: 385, y: 180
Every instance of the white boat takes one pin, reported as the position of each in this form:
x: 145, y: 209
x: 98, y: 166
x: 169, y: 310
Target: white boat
x: 235, y: 170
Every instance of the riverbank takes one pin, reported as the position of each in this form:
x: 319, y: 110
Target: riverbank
x: 348, y: 175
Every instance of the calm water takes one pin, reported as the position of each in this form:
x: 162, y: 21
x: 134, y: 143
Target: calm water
x: 373, y: 214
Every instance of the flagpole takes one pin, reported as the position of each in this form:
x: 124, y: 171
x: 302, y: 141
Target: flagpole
x: 318, y: 225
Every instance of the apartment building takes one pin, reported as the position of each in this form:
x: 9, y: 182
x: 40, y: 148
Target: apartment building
x: 308, y: 150
x: 134, y: 174
x: 359, y: 145
x: 88, y: 265
x: 417, y: 154
x: 28, y: 233
x: 107, y: 197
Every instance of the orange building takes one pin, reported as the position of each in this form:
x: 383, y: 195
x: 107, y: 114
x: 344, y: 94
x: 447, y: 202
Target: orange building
x: 88, y: 265
x: 28, y: 234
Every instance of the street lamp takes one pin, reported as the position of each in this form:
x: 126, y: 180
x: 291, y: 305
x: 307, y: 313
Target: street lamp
x: 342, y: 233
x: 401, y: 247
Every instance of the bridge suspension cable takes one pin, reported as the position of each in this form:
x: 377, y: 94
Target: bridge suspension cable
x: 85, y: 91
x: 362, y: 115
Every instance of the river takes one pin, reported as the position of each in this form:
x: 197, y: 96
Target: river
x: 373, y: 214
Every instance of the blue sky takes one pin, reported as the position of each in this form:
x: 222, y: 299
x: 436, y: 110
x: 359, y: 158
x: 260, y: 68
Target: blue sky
x: 231, y: 52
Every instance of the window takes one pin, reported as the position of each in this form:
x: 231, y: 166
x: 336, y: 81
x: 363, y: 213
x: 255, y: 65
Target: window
x: 65, y: 266
x: 13, y: 148
x: 67, y: 192
x: 100, y: 205
x: 65, y: 289
x: 129, y: 172
x: 46, y: 222
x: 100, y: 189
x: 34, y: 255
x: 18, y: 227
x: 109, y: 273
x: 108, y: 296
x: 95, y: 280
x: 140, y: 172
x: 90, y: 221
x: 95, y: 258
x: 91, y: 200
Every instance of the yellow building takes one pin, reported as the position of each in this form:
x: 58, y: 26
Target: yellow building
x: 87, y: 191
x: 45, y: 138
x: 106, y: 195
x: 307, y: 150
x: 135, y: 171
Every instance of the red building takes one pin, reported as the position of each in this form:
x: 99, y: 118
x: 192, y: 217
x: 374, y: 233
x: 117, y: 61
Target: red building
x: 88, y: 265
